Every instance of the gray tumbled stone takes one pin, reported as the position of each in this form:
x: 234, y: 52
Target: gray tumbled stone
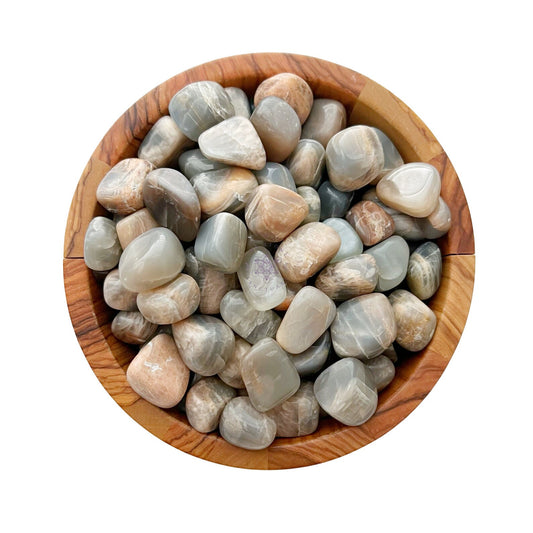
x: 101, y: 247
x: 333, y: 203
x: 276, y: 174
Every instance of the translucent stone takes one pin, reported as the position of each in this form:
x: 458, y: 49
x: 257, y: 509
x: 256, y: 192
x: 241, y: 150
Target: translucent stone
x: 314, y: 358
x: 205, y: 402
x: 370, y: 222
x: 391, y: 157
x: 172, y: 201
x: 132, y: 328
x: 307, y: 318
x: 425, y: 270
x: 354, y: 157
x: 392, y: 258
x: 234, y: 142
x: 199, y: 106
x: 333, y: 203
x: 364, y: 327
x: 327, y: 118
x: 116, y: 296
x: 151, y: 260
x: 231, y: 373
x: 193, y: 162
x: 221, y: 242
x: 240, y: 101
x: 313, y: 203
x: 408, y: 227
x: 204, y: 342
x: 269, y: 375
x: 245, y: 427
x: 349, y: 278
x: 292, y: 289
x: 438, y: 222
x: 350, y: 242
x: 260, y: 279
x: 101, y: 247
x: 276, y: 174
x: 415, y: 321
x: 383, y: 371
x: 306, y: 163
x: 131, y: 226
x: 251, y: 324
x: 413, y: 189
x: 347, y: 392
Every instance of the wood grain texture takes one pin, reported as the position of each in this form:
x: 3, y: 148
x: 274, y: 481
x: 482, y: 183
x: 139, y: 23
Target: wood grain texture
x: 366, y: 102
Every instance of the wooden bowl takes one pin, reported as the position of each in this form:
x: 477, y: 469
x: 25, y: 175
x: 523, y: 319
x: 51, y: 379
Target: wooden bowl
x: 366, y: 103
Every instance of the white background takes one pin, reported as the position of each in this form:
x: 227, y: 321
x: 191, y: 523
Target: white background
x: 71, y: 460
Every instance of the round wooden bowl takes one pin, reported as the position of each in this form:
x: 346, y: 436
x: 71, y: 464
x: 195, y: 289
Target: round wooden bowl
x: 366, y: 103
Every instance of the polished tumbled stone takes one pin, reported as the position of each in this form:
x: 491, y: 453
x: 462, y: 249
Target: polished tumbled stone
x: 101, y: 247
x: 240, y: 102
x: 350, y: 242
x: 132, y: 328
x: 116, y: 295
x: 193, y: 162
x: 438, y: 222
x: 372, y: 223
x: 425, y: 270
x: 277, y: 174
x: 327, y: 118
x: 333, y: 203
x: 131, y: 226
x: 364, y: 326
x: 231, y: 373
x: 292, y: 289
x: 391, y: 157
x: 392, y: 257
x: 306, y: 163
x: 314, y: 358
x: 383, y: 371
x: 346, y: 391
x: 313, y: 203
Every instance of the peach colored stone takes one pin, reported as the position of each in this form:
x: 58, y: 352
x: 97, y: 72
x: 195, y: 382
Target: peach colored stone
x: 133, y: 225
x: 370, y: 222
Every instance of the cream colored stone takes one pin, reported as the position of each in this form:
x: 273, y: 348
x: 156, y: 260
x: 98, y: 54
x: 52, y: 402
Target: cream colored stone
x: 131, y: 226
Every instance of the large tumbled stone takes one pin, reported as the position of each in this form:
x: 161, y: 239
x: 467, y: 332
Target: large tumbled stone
x: 276, y: 174
x: 327, y: 118
x: 350, y: 242
x: 333, y: 203
x: 371, y: 222
x: 193, y: 162
x: 116, y: 295
x: 306, y: 163
x: 101, y: 247
x: 425, y: 270
x: 131, y: 226
x: 132, y: 328
x: 392, y: 258
x: 383, y: 371
x: 231, y: 373
x: 314, y: 358
x: 240, y: 101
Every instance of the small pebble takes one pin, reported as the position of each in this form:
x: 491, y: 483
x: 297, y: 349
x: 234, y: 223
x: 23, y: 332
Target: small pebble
x: 392, y: 258
x: 383, y: 371
x: 193, y: 162
x: 240, y: 101
x: 132, y: 328
x: 231, y: 373
x: 327, y: 118
x: 438, y: 222
x: 350, y: 242
x: 370, y: 222
x: 313, y: 203
x: 131, y: 226
x: 425, y: 270
x: 101, y: 247
x: 116, y: 296
x: 276, y: 174
x: 307, y: 162
x: 314, y: 358
x: 333, y: 203
x: 391, y: 157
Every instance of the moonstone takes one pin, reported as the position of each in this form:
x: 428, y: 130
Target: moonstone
x: 193, y: 162
x: 391, y: 157
x: 101, y: 247
x: 438, y: 222
x: 158, y: 374
x: 269, y: 375
x: 327, y: 118
x: 151, y: 260
x: 424, y: 270
x: 204, y: 342
x: 240, y: 101
x: 132, y: 328
x: 116, y: 295
x: 231, y: 373
x: 199, y: 106
x: 313, y: 203
x: 314, y: 358
x: 276, y: 174
x: 292, y: 289
x: 383, y: 371
x: 346, y: 391
x: 392, y: 258
x: 350, y: 242
x: 306, y: 163
x: 253, y: 240
x: 333, y: 203
x: 131, y: 226
x: 390, y: 352
x: 370, y: 222
x: 364, y: 327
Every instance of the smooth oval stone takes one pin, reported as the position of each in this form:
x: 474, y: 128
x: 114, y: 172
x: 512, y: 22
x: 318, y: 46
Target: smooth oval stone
x: 392, y: 258
x: 273, y: 212
x: 354, y: 157
x: 347, y: 392
x: 364, y: 327
x: 121, y: 189
x: 298, y: 415
x: 131, y: 226
x: 292, y: 289
x: 276, y: 174
x: 116, y: 295
x: 438, y: 222
x: 327, y: 118
x: 291, y: 88
x: 261, y: 282
x: 313, y: 203
x: 221, y: 242
x: 205, y: 402
x: 158, y: 374
x: 251, y: 324
x: 306, y: 163
x: 234, y: 142
x: 223, y: 190
x: 314, y: 358
x: 415, y: 321
x: 350, y: 242
x: 413, y: 189
x: 349, y: 278
x: 132, y: 328
x: 171, y: 302
x: 370, y: 222
x: 383, y: 371
x: 199, y: 106
x: 101, y: 247
x: 205, y: 343
x: 310, y: 314
x: 193, y: 162
x: 391, y: 157
x: 240, y: 101
x: 269, y: 375
x: 151, y: 260
x: 306, y: 250
x: 173, y: 202
x: 245, y: 427
x: 278, y: 127
x: 425, y: 270
x: 333, y: 203
x: 231, y: 373
x: 163, y: 143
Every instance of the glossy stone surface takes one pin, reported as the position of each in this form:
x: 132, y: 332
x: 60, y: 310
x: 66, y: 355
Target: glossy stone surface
x: 327, y: 118
x: 354, y: 157
x: 253, y: 240
x: 438, y: 222
x: 173, y: 202
x: 306, y: 163
x: 349, y: 278
x: 383, y: 371
x: 370, y: 222
x: 205, y: 343
x: 306, y: 250
x: 193, y: 162
x: 347, y: 392
x: 116, y: 296
x: 391, y: 157
x: 278, y: 127
x: 415, y: 321
x: 231, y: 373
x: 333, y: 203
x: 223, y: 190
x: 408, y: 227
x: 274, y: 211
x: 314, y: 358
x: 245, y: 427
x: 310, y: 314
x: 151, y: 260
x: 121, y: 189
x: 269, y: 375
x: 199, y: 106
x: 101, y: 247
x: 413, y: 189
x: 260, y: 279
x: 240, y: 102
x: 131, y: 226
x: 292, y: 289
x: 425, y: 270
x: 364, y: 327
x: 234, y: 142
x: 350, y: 242
x: 276, y: 174
x: 205, y: 402
x: 132, y: 328
x: 313, y: 203
x: 221, y: 242
x: 392, y: 258
x: 251, y: 324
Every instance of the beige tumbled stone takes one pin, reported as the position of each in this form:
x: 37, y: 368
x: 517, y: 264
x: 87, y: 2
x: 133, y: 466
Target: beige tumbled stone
x: 306, y: 163
x: 292, y: 289
x: 132, y: 328
x: 327, y: 118
x: 131, y: 226
x: 116, y: 295
x: 231, y: 373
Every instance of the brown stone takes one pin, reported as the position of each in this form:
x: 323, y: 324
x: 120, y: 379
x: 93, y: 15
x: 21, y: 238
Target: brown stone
x: 370, y: 222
